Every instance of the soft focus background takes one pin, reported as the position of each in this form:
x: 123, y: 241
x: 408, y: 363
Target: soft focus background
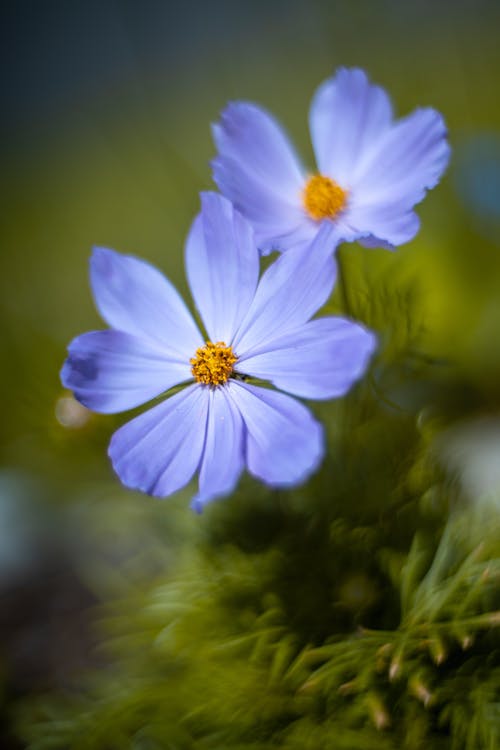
x: 106, y: 140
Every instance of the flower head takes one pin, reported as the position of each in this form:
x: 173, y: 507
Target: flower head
x: 220, y: 422
x: 371, y: 170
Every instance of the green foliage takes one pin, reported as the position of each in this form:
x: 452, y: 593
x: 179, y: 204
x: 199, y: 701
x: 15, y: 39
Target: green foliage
x: 307, y: 620
x: 210, y: 660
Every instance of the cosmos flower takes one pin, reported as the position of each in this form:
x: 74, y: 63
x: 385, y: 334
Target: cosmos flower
x: 220, y: 422
x: 371, y: 170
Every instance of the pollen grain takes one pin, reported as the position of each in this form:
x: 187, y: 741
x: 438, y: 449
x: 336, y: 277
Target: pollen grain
x: 323, y: 198
x: 213, y: 363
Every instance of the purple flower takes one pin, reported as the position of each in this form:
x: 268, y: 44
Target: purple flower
x: 219, y: 423
x: 372, y: 170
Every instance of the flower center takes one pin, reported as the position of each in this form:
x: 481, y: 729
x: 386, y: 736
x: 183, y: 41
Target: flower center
x: 213, y: 363
x: 323, y: 198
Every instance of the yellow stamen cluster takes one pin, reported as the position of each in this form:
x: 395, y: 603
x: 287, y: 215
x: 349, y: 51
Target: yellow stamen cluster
x: 213, y: 363
x: 323, y: 198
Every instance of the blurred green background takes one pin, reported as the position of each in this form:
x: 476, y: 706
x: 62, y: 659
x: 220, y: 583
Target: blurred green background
x: 106, y: 140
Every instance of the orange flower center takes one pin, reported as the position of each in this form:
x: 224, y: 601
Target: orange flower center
x: 323, y: 198
x: 213, y: 363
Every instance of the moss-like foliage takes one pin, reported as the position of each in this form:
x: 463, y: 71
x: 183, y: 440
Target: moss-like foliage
x: 321, y: 618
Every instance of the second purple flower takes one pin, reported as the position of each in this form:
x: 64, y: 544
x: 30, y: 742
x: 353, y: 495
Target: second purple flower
x: 372, y: 170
